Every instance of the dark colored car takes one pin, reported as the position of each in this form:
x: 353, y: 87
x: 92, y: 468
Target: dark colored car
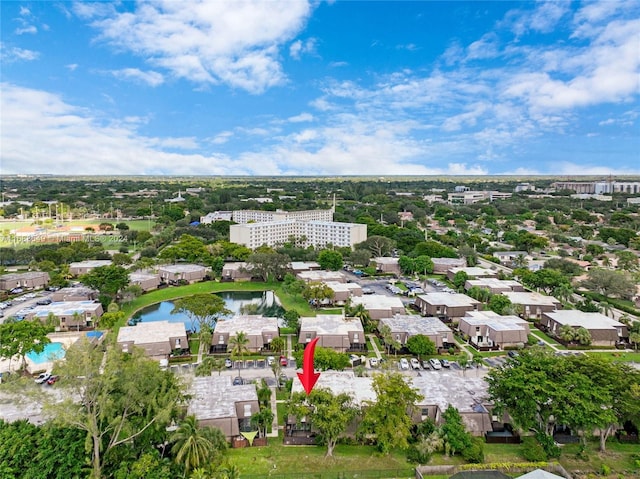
x: 52, y: 380
x: 237, y: 381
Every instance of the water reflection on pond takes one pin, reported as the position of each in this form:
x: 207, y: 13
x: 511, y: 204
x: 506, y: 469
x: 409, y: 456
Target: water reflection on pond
x: 264, y: 303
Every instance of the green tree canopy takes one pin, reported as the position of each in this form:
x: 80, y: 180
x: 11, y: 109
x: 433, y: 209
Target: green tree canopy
x: 202, y: 309
x: 329, y: 414
x: 421, y: 345
x: 388, y: 418
x: 109, y: 280
x: 330, y: 260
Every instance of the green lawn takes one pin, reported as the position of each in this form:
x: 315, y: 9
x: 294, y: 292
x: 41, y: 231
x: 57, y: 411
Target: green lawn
x: 194, y: 346
x: 299, y: 461
x: 540, y: 335
x: 620, y: 356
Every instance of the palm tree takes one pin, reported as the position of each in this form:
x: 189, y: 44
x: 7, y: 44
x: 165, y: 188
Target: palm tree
x: 567, y: 333
x: 563, y: 293
x: 194, y: 447
x: 276, y: 369
x: 606, y: 308
x: 277, y: 345
x: 583, y: 336
x: 238, y: 345
x: 634, y: 338
x: 520, y: 261
x: 359, y: 311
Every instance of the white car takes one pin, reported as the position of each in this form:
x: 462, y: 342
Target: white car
x: 415, y: 364
x: 435, y: 363
x: 43, y: 378
x: 373, y: 362
x: 404, y: 364
x: 271, y: 360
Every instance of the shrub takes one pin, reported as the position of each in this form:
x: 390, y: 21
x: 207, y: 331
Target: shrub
x: 548, y: 444
x: 474, y: 453
x: 532, y: 450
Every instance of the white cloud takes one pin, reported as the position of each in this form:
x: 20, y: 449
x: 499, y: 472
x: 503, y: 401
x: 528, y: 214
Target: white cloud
x: 43, y: 134
x: 338, y: 64
x: 71, y: 67
x: 31, y: 29
x: 221, y: 138
x: 151, y: 78
x: 299, y: 48
x: 302, y: 117
x: 236, y: 43
x: 9, y: 54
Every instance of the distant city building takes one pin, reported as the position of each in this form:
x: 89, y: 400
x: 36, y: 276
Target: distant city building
x: 216, y: 216
x: 599, y: 187
x: 468, y: 197
x: 592, y: 196
x: 524, y: 187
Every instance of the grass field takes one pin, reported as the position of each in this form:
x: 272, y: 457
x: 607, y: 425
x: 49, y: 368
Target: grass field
x: 364, y: 461
x: 304, y: 461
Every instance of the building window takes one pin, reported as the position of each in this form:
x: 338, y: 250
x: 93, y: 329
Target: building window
x: 424, y: 411
x: 247, y: 410
x: 221, y: 339
x: 356, y: 338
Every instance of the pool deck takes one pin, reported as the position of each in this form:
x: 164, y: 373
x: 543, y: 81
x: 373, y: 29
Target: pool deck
x: 67, y: 339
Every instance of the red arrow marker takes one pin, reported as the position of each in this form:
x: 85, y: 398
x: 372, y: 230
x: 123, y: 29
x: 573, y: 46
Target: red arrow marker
x: 308, y: 377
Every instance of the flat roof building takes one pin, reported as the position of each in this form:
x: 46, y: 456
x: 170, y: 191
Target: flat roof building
x: 472, y: 272
x: 404, y: 326
x: 69, y: 314
x: 322, y: 276
x: 183, y: 272
x: 79, y: 268
x: 28, y: 280
x: 215, y: 402
x: 148, y: 281
x: 379, y: 306
x: 260, y: 331
x: 446, y: 306
x: 158, y: 338
x: 334, y: 331
x: 533, y: 304
x: 442, y: 265
x: 604, y: 331
x: 314, y: 233
x: 486, y: 329
x: 494, y: 285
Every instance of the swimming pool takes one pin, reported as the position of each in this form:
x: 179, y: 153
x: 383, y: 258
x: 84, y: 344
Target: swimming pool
x: 52, y: 351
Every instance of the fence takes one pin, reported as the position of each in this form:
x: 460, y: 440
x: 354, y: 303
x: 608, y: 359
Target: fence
x: 385, y: 474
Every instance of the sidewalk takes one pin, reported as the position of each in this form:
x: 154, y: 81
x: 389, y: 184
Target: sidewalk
x: 274, y: 425
x: 374, y: 346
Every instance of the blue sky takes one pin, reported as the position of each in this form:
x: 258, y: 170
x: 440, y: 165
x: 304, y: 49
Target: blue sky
x: 329, y: 88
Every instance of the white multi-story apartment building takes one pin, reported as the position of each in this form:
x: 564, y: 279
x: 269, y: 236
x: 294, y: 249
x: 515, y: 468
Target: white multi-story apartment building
x: 307, y: 233
x: 599, y: 187
x: 258, y: 216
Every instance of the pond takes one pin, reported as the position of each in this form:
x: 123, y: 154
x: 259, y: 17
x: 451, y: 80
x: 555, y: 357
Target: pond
x: 264, y: 303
